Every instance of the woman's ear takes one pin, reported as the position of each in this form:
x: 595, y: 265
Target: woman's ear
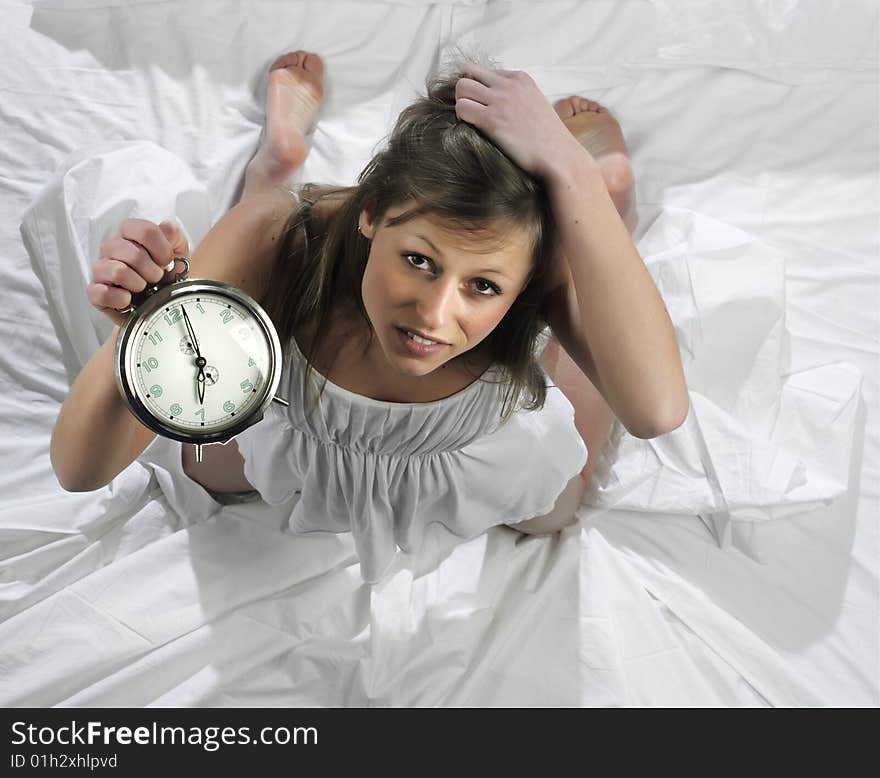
x: 365, y: 222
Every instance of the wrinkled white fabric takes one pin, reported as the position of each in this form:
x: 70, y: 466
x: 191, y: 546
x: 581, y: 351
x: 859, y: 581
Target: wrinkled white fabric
x: 147, y: 594
x: 385, y: 471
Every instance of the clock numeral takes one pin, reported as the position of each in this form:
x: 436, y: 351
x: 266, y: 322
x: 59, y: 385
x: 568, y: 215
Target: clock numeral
x: 246, y: 386
x: 155, y: 337
x: 229, y: 406
x: 156, y: 390
x: 199, y: 306
x: 176, y: 410
x: 251, y: 362
x: 201, y: 412
x: 150, y: 364
x: 226, y: 316
x: 172, y: 317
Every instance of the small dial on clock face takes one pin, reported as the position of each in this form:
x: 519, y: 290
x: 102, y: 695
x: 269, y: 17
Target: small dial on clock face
x: 206, y: 376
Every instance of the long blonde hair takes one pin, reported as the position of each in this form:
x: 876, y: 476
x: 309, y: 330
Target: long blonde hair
x: 453, y: 172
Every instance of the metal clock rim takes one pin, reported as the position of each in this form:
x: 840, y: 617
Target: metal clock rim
x: 125, y: 381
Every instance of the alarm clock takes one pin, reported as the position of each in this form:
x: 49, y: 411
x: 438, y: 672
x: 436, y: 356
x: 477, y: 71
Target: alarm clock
x: 197, y: 360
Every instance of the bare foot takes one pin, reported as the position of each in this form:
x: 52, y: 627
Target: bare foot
x: 295, y: 92
x: 599, y: 133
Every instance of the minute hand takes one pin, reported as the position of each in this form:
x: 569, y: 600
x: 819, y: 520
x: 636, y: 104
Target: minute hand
x: 200, y: 378
x: 190, y: 331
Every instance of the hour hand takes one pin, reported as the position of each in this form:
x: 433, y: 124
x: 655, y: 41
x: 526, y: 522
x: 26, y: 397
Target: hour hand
x: 201, y: 385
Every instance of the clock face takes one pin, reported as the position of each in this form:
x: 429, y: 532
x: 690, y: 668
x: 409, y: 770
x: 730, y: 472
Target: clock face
x: 200, y: 363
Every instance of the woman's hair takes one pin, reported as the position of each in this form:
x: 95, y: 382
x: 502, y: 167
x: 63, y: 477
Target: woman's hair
x: 454, y: 174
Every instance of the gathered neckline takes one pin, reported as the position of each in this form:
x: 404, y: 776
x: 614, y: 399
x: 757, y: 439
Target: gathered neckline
x: 388, y: 403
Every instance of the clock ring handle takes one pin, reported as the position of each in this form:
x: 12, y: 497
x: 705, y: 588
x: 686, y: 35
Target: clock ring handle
x: 183, y: 273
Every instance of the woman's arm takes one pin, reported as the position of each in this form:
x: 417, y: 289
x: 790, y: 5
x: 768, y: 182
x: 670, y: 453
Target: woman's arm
x: 616, y: 323
x: 624, y: 334
x: 96, y: 436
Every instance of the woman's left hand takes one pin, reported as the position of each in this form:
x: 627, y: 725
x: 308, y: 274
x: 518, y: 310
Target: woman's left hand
x: 508, y: 106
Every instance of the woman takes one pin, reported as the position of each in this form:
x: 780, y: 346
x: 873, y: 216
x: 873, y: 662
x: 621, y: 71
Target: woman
x: 420, y: 295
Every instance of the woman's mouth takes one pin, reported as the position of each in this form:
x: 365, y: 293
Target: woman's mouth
x: 416, y: 345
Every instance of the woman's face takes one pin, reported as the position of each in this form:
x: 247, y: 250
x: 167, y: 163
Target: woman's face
x: 450, y: 288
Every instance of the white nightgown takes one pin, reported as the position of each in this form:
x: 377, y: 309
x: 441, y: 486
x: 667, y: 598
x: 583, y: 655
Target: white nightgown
x: 385, y: 470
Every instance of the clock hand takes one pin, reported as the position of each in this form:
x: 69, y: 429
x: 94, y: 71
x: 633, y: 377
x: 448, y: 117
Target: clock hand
x: 190, y: 331
x: 200, y: 378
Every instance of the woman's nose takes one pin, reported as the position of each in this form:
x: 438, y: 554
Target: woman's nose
x: 435, y: 305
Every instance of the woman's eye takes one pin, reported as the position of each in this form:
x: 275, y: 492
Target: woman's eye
x: 418, y: 257
x: 490, y: 287
x: 484, y: 288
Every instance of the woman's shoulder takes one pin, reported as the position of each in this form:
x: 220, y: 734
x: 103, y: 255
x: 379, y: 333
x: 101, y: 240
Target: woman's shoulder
x: 323, y: 201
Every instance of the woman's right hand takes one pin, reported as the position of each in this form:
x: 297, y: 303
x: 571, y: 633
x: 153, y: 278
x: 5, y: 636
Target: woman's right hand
x: 135, y: 257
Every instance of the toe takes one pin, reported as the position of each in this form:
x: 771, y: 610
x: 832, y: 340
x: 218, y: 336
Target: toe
x: 589, y: 105
x: 285, y: 60
x: 564, y: 108
x: 305, y: 59
x: 577, y: 104
x: 314, y: 64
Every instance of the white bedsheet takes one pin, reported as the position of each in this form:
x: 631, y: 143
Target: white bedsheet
x: 732, y: 562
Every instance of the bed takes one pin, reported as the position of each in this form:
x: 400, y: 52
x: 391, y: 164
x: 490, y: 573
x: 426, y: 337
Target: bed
x: 731, y: 563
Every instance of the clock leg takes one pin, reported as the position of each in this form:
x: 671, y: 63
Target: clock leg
x: 226, y: 470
